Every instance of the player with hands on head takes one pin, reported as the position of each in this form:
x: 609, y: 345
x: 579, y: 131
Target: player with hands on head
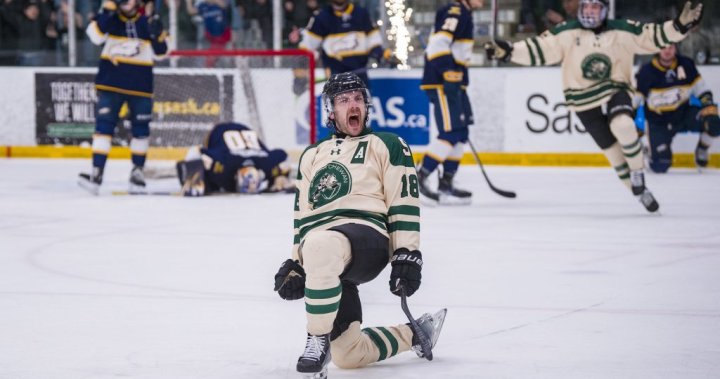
x: 596, y: 57
x: 125, y: 76
x: 445, y: 80
x: 667, y: 84
x: 356, y: 210
x: 234, y: 160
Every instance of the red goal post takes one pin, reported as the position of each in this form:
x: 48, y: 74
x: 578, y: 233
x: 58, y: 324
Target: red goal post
x: 271, y: 91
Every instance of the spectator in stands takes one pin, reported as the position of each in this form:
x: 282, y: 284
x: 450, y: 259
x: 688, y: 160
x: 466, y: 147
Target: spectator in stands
x: 261, y: 11
x: 216, y: 20
x: 28, y: 27
x: 536, y: 16
x: 296, y: 18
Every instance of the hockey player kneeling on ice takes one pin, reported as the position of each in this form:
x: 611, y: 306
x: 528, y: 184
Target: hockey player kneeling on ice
x: 233, y: 159
x: 356, y: 210
x: 132, y: 42
x: 597, y: 66
x: 667, y: 83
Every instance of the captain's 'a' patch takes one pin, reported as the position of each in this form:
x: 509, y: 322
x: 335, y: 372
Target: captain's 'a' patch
x: 360, y: 153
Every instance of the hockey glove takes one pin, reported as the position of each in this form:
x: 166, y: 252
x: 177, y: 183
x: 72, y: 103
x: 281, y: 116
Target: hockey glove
x: 709, y: 114
x: 405, y: 274
x: 688, y: 18
x: 290, y: 280
x: 155, y: 28
x: 500, y: 50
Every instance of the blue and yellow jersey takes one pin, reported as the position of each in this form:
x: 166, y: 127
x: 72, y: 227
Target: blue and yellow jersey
x: 449, y: 47
x: 126, y: 61
x: 667, y: 90
x: 232, y: 146
x: 347, y: 38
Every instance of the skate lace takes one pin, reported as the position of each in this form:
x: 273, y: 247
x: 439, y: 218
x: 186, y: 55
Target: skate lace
x: 314, y: 347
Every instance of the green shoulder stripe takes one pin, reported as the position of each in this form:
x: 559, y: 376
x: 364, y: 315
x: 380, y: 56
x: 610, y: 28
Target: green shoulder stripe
x: 633, y: 27
x: 400, y: 153
x: 565, y: 26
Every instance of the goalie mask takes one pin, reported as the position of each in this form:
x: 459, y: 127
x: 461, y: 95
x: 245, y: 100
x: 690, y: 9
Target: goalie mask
x: 250, y: 180
x: 339, y: 84
x: 592, y: 13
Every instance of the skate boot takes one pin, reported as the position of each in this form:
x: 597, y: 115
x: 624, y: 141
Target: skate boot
x: 430, y: 327
x: 648, y: 201
x: 91, y: 182
x: 451, y: 195
x: 637, y: 182
x: 137, y: 179
x: 314, y: 360
x: 702, y: 157
x: 425, y: 190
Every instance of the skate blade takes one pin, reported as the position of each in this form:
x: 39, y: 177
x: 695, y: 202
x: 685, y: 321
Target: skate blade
x: 438, y: 321
x: 316, y: 375
x: 90, y: 187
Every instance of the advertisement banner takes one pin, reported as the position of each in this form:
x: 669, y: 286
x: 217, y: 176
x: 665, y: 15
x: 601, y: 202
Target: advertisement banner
x: 398, y: 106
x: 185, y: 107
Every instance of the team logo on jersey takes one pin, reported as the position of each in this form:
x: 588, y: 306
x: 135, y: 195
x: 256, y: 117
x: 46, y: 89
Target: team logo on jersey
x: 329, y: 183
x: 596, y: 67
x: 129, y: 48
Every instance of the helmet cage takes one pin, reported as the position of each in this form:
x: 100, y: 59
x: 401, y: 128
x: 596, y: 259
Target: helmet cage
x: 592, y: 22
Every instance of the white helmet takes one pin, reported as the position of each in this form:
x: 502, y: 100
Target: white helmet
x: 592, y: 22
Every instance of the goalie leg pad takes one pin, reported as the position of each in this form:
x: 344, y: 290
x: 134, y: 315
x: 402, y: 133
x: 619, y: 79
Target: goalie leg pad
x: 192, y: 177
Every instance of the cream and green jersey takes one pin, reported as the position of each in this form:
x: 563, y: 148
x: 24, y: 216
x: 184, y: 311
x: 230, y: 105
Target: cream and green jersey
x: 595, y: 66
x: 369, y: 179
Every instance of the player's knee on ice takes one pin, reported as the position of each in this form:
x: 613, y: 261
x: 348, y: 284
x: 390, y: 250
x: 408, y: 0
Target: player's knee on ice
x: 325, y: 253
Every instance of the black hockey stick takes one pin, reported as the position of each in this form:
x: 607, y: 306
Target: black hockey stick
x: 498, y: 191
x: 425, y: 342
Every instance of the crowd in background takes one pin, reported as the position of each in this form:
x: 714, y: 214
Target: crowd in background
x: 34, y: 32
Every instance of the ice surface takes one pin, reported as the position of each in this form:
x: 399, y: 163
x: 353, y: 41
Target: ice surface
x: 573, y: 279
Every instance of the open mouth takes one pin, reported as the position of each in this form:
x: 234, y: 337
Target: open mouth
x: 354, y: 121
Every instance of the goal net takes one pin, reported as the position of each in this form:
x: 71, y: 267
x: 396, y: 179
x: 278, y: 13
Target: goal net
x: 270, y: 91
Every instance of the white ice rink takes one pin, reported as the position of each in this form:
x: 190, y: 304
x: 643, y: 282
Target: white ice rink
x: 573, y: 279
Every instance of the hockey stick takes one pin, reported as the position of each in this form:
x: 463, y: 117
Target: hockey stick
x: 425, y: 342
x: 498, y: 191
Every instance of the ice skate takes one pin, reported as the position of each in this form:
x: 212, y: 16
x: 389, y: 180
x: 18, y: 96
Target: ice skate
x: 425, y: 191
x: 314, y: 360
x: 450, y: 195
x: 702, y: 157
x: 91, y: 182
x: 637, y: 182
x: 648, y: 201
x: 137, y: 180
x: 430, y: 326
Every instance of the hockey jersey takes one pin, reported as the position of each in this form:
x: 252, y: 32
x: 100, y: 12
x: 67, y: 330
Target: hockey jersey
x: 369, y: 179
x: 449, y: 47
x: 347, y: 38
x: 595, y: 66
x: 232, y: 146
x: 667, y: 90
x: 126, y: 61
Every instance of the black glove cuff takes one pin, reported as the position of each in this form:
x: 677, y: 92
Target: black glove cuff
x: 680, y: 27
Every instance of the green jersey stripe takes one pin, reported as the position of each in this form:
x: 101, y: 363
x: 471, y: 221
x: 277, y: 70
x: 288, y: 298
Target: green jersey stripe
x: 392, y: 339
x: 404, y: 210
x: 321, y: 309
x: 532, y: 55
x: 323, y: 294
x: 403, y: 225
x: 539, y: 50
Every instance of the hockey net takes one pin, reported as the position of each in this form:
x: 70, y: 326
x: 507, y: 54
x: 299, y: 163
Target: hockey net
x: 270, y: 91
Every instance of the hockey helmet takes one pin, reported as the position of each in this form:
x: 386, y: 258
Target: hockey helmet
x: 592, y: 22
x: 250, y: 180
x: 341, y: 83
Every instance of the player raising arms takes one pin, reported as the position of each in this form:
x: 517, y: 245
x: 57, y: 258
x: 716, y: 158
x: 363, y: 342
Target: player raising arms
x: 233, y: 159
x: 597, y: 66
x: 356, y: 210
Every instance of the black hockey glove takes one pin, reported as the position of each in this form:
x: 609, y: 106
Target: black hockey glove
x: 500, y: 50
x: 290, y: 280
x: 688, y: 18
x: 405, y: 274
x: 155, y: 27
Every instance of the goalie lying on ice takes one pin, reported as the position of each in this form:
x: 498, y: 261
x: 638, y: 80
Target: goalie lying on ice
x: 233, y: 159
